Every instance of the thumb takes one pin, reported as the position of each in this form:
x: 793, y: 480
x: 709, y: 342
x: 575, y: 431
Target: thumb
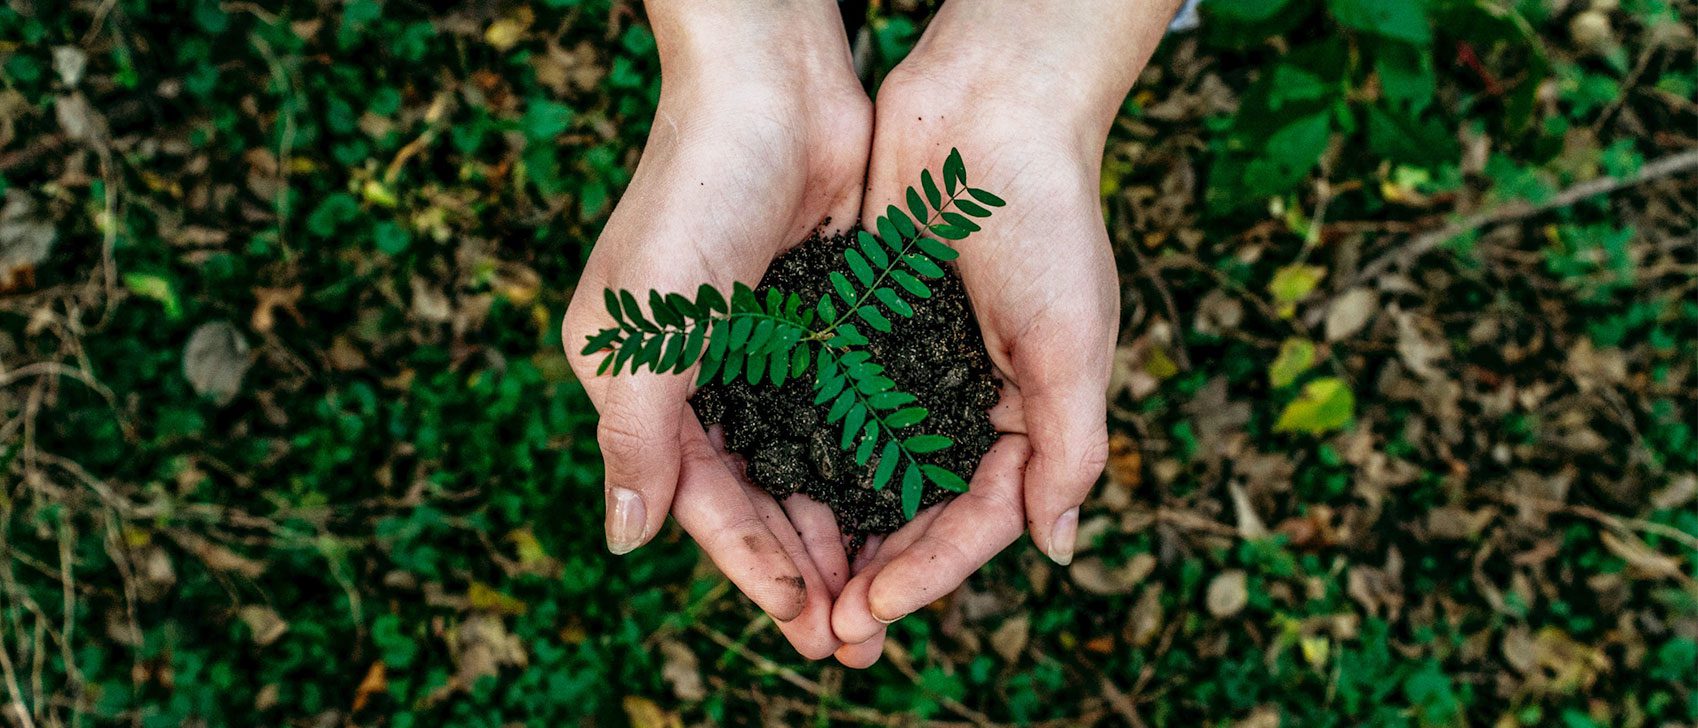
x: 1067, y: 424
x: 640, y: 415
x: 639, y: 437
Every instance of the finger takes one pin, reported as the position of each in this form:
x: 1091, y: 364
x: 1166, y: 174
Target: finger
x: 820, y: 535
x: 810, y: 632
x: 862, y: 656
x: 973, y: 528
x: 715, y: 509
x: 1068, y: 424
x: 851, y: 619
x: 1009, y: 414
x: 869, y: 551
x: 639, y: 428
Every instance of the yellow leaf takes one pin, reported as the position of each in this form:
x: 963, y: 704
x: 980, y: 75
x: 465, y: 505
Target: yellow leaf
x: 1325, y: 405
x: 1316, y: 649
x: 377, y: 194
x: 1294, y: 283
x: 1295, y: 357
x: 643, y: 713
x: 1158, y: 364
x: 504, y: 34
x: 486, y: 598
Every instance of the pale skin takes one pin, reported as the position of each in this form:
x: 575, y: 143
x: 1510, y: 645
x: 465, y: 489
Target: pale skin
x: 760, y: 111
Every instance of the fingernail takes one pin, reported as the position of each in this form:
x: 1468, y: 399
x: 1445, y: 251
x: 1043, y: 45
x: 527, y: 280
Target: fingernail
x: 892, y: 620
x: 626, y: 520
x: 1062, y: 536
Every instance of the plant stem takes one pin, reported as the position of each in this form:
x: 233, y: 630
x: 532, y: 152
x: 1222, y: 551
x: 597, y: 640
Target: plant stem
x: 884, y: 272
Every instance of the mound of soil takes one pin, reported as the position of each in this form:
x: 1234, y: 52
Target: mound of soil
x: 783, y: 436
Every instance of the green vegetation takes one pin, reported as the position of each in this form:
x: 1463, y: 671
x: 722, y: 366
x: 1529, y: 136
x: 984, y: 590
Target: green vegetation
x: 780, y: 340
x: 1402, y: 420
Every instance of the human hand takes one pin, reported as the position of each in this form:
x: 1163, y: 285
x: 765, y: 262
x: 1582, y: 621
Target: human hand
x: 1027, y: 93
x: 754, y: 144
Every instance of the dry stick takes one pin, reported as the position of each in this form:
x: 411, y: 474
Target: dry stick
x: 865, y: 715
x: 952, y: 704
x: 1425, y: 243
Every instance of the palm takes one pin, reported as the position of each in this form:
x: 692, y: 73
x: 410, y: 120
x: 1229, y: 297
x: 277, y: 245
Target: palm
x: 682, y: 222
x: 1042, y: 282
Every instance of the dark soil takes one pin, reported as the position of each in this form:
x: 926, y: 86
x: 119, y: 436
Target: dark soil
x: 937, y: 355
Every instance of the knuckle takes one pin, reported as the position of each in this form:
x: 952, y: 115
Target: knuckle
x: 625, y: 441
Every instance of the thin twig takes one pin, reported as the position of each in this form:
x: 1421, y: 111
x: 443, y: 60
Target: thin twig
x: 1425, y: 243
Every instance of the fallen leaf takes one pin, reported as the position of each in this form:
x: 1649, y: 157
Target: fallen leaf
x: 376, y: 682
x: 504, y: 33
x: 78, y: 119
x: 215, y: 360
x: 1095, y: 575
x: 26, y: 237
x: 1324, y: 406
x: 1250, y: 525
x: 1147, y: 617
x: 1125, y: 462
x: 218, y: 557
x: 486, y: 598
x: 481, y: 645
x: 1009, y: 640
x: 1296, y: 355
x: 1229, y: 593
x: 1350, y: 312
x: 268, y: 300
x: 1682, y: 489
x: 69, y: 63
x: 1266, y: 716
x: 681, y: 670
x: 267, y: 626
x: 1292, y: 284
x: 1643, y: 561
x: 644, y: 713
x: 1420, y: 344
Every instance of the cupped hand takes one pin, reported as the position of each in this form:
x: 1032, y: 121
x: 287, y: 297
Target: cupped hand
x: 1040, y: 275
x: 751, y: 150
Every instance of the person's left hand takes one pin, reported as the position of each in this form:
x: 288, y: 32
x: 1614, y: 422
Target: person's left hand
x: 1040, y: 275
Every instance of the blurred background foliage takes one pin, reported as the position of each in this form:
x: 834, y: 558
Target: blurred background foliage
x: 1402, y: 415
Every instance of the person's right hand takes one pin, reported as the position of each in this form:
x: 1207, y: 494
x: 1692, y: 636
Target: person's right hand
x: 761, y: 135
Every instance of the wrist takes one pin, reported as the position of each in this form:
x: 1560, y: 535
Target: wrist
x: 794, y: 47
x: 1068, y: 64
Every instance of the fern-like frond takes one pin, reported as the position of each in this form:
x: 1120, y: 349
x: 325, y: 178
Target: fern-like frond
x: 882, y: 267
x: 869, y: 409
x: 744, y: 336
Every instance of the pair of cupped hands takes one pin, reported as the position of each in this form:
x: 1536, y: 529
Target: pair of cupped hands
x: 763, y: 134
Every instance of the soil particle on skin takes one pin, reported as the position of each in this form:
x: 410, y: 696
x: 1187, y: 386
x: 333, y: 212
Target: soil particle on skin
x: 789, y: 447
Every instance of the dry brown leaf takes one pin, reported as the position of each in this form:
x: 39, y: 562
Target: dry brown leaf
x: 1009, y: 640
x: 682, y: 671
x: 1681, y: 490
x: 1125, y: 462
x: 481, y: 645
x: 376, y: 682
x: 267, y: 626
x: 26, y: 237
x: 1643, y: 561
x: 1250, y: 526
x: 218, y: 557
x: 1095, y: 575
x: 1229, y: 593
x: 215, y: 360
x: 1350, y: 312
x: 268, y: 300
x: 644, y: 713
x: 1266, y: 716
x: 1420, y: 344
x: 1147, y: 617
